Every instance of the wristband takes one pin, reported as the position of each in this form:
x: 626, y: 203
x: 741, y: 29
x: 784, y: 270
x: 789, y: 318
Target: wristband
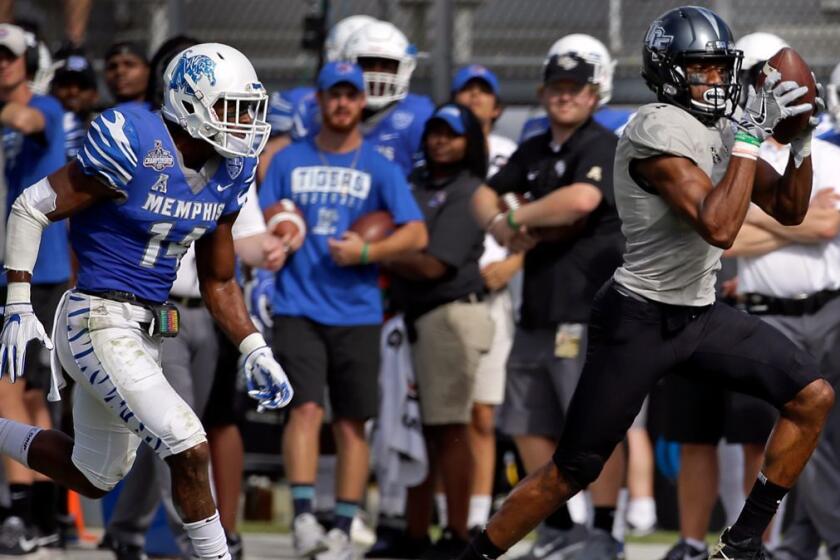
x: 363, y: 258
x: 745, y: 150
x: 511, y: 222
x: 18, y: 292
x: 743, y: 136
x: 251, y: 343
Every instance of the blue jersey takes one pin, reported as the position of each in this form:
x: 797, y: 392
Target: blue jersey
x: 30, y: 158
x: 285, y: 109
x: 135, y: 243
x: 333, y: 191
x: 396, y: 132
x: 608, y: 117
x: 74, y: 134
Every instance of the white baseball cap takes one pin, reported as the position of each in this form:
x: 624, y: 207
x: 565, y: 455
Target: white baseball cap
x: 12, y: 37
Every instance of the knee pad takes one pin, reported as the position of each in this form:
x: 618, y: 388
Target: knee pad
x: 579, y: 468
x: 183, y: 431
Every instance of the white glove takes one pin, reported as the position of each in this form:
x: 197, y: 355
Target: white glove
x: 20, y: 325
x: 267, y: 382
x: 800, y: 146
x: 765, y: 108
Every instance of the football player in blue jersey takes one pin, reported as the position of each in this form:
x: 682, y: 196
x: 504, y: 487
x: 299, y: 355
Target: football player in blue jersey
x: 327, y: 304
x: 593, y: 51
x: 143, y: 188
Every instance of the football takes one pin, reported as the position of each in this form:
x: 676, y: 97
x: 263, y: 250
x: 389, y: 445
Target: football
x: 374, y: 226
x: 284, y: 218
x: 792, y: 67
x: 512, y: 201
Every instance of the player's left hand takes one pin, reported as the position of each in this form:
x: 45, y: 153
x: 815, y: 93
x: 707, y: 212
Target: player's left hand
x: 347, y: 251
x: 266, y: 380
x: 800, y: 147
x: 20, y: 325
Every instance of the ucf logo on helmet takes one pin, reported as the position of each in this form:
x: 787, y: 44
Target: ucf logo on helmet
x: 195, y: 67
x: 656, y: 38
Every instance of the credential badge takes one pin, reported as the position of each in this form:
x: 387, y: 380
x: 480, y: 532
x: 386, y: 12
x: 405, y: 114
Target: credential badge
x: 158, y: 158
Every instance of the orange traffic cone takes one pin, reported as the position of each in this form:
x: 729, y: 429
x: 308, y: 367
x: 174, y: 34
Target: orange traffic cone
x: 74, y: 508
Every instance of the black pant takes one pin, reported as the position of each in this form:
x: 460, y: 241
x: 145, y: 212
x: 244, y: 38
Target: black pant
x: 632, y: 344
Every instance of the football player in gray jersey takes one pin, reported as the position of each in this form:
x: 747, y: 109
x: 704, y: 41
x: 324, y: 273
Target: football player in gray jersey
x: 686, y: 171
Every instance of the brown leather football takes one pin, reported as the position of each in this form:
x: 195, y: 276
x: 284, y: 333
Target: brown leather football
x: 374, y: 226
x: 284, y: 218
x: 512, y: 201
x: 792, y: 67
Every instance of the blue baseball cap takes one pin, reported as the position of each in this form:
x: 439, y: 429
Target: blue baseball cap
x: 451, y: 115
x: 475, y: 72
x: 341, y: 72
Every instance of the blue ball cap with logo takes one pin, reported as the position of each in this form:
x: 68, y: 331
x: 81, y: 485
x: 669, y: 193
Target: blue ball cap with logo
x: 451, y: 115
x: 341, y: 72
x: 475, y: 72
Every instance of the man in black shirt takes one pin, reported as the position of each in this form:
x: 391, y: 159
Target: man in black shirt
x: 572, y: 233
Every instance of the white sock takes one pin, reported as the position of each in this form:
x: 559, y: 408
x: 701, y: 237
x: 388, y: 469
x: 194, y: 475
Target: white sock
x: 208, y: 538
x: 479, y: 511
x: 15, y: 439
x: 443, y: 517
x: 696, y: 544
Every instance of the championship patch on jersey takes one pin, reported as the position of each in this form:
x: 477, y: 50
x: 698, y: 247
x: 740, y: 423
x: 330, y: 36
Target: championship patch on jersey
x: 234, y: 166
x: 158, y: 158
x: 402, y: 119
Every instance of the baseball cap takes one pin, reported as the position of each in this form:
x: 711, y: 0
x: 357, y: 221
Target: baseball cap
x: 451, y: 115
x: 568, y: 66
x: 475, y: 72
x: 76, y: 69
x: 341, y: 72
x: 12, y: 37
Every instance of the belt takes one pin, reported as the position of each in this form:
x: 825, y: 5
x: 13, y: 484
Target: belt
x: 117, y: 295
x: 760, y: 304
x: 188, y: 302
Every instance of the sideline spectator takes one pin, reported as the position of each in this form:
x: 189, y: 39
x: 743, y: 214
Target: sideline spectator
x: 477, y: 88
x: 126, y: 72
x: 74, y: 85
x: 442, y: 294
x: 327, y: 305
x: 568, y: 171
x: 33, y: 145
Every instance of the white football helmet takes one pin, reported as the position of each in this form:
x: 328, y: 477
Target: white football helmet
x: 594, y: 52
x: 211, y: 77
x: 340, y: 32
x: 758, y: 47
x: 381, y: 39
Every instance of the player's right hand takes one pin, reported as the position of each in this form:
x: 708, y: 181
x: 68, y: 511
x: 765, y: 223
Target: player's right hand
x: 771, y: 104
x: 266, y: 380
x: 20, y: 325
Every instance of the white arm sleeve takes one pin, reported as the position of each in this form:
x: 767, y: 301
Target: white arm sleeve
x: 27, y: 222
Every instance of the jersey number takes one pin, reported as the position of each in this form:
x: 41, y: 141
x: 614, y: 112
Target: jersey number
x: 174, y: 249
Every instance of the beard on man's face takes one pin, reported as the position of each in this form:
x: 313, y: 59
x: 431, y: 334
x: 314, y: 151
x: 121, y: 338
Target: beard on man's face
x: 342, y: 120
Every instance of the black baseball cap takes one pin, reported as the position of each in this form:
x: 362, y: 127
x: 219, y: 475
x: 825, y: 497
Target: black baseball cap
x: 568, y: 66
x: 75, y: 69
x: 126, y: 47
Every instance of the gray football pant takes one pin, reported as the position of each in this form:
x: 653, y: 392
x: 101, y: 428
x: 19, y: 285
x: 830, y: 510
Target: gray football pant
x: 816, y: 516
x: 189, y: 364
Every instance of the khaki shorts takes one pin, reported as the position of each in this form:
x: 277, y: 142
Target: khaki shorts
x: 450, y: 342
x: 490, y: 377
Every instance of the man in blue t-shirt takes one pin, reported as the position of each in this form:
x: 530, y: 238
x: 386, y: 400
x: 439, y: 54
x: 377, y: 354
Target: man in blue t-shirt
x: 33, y: 144
x: 327, y: 305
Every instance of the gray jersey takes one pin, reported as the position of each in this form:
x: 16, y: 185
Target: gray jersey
x: 665, y: 258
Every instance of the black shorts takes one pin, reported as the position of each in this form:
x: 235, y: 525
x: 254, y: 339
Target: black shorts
x: 45, y: 299
x: 632, y: 344
x: 221, y: 409
x: 344, y: 360
x: 704, y: 413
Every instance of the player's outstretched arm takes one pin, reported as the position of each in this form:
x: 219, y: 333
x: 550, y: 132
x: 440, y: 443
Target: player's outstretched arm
x: 53, y: 198
x: 267, y: 382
